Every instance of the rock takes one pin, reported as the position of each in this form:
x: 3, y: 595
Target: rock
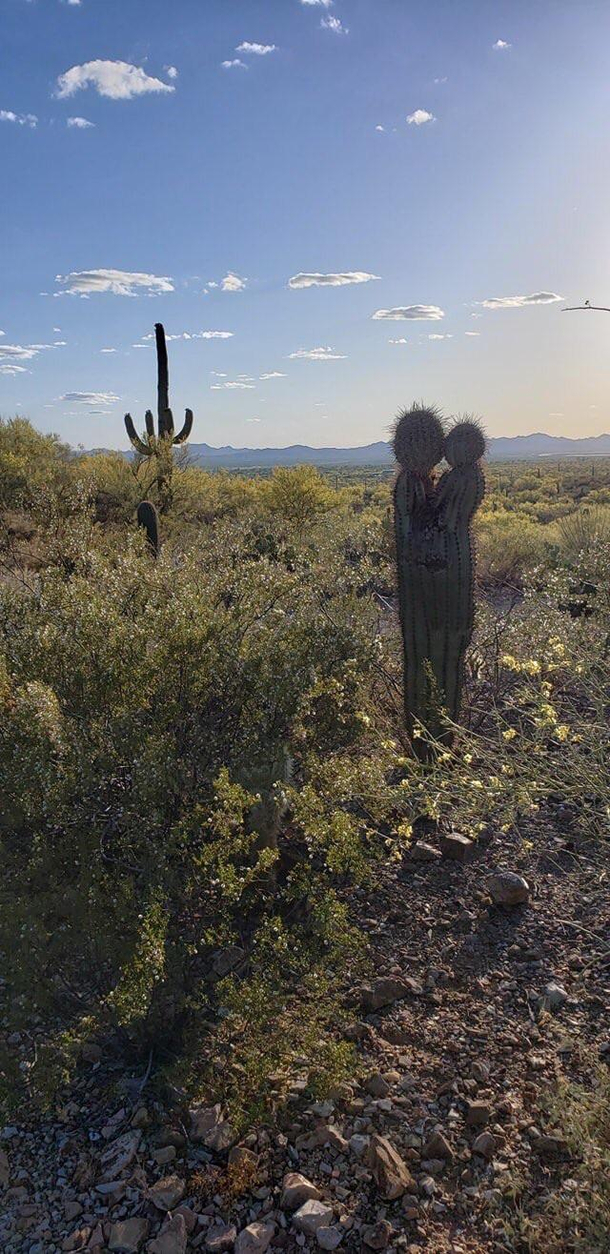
x: 4, y: 1168
x: 91, y: 1053
x: 377, y: 1086
x: 210, y: 1129
x: 254, y: 1239
x: 165, y: 1154
x: 313, y: 1215
x: 485, y: 1145
x: 335, y: 1139
x: 221, y: 1237
x: 119, y: 1155
x: 550, y: 1146
x: 296, y: 1190
x: 506, y: 888
x: 77, y: 1240
x: 72, y: 1210
x: 167, y: 1192
x: 377, y: 1236
x: 437, y: 1146
x: 391, y: 1174
x: 127, y: 1236
x: 241, y: 1154
x: 329, y: 1238
x: 422, y: 852
x: 383, y: 991
x: 172, y: 1238
x: 358, y: 1144
x: 554, y: 995
x: 456, y: 848
x: 478, y: 1114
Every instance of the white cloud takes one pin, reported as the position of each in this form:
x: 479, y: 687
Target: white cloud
x: 253, y: 419
x: 73, y: 3
x: 401, y: 340
x: 472, y: 333
x: 325, y: 4
x: 90, y: 398
x: 108, y: 350
x: 116, y: 79
x: 256, y: 50
x: 20, y: 119
x: 81, y: 124
x: 118, y: 282
x: 318, y: 354
x: 380, y: 128
x: 194, y: 335
x: 334, y: 24
x: 420, y: 117
x: 233, y: 283
x: 501, y: 45
x: 234, y: 64
x: 13, y: 356
x: 171, y: 71
x: 438, y: 81
x: 440, y: 337
x: 407, y: 313
x: 239, y: 385
x: 518, y: 302
x: 331, y: 280
x: 273, y: 374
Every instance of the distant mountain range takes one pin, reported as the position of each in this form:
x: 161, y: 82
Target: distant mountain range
x: 501, y: 448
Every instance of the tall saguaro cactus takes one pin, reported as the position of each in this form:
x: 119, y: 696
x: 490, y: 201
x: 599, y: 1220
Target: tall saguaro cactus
x: 159, y: 444
x: 435, y: 561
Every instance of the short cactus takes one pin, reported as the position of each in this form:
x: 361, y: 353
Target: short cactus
x: 148, y: 519
x: 435, y: 561
x: 159, y: 444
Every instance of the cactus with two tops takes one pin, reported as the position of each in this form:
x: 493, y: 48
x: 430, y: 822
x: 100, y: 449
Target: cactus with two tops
x: 158, y: 444
x: 435, y: 562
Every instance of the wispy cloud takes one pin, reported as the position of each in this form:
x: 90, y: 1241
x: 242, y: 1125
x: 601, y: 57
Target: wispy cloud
x: 407, y: 313
x: 335, y: 25
x: 233, y: 283
x: 420, y: 117
x: 256, y: 50
x: 90, y: 398
x: 171, y: 71
x: 501, y: 45
x: 116, y: 79
x: 118, y: 282
x: 381, y: 129
x: 448, y: 336
x: 323, y: 353
x: 13, y: 356
x: 194, y: 335
x: 108, y: 350
x: 472, y: 334
x: 401, y: 340
x: 80, y: 124
x: 339, y: 279
x: 235, y: 64
x: 19, y: 119
x: 519, y: 302
x: 236, y: 385
x: 324, y: 4
x: 273, y: 374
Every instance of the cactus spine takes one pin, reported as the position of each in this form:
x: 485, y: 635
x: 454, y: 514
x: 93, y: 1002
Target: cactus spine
x: 435, y: 561
x: 149, y: 520
x: 159, y: 444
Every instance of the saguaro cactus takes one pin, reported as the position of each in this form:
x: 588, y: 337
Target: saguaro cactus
x: 159, y: 444
x: 149, y: 520
x: 435, y: 561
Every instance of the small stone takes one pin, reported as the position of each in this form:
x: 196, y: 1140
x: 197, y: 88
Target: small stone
x: 456, y: 848
x: 554, y: 995
x: 313, y: 1215
x: 383, y: 991
x: 485, y: 1145
x: 126, y: 1237
x: 209, y: 1128
x: 254, y: 1239
x: 478, y: 1114
x: 244, y: 1156
x: 377, y: 1236
x: 78, y: 1240
x: 220, y: 1238
x: 437, y: 1146
x: 172, y: 1238
x: 329, y: 1238
x: 358, y: 1144
x: 165, y: 1154
x: 296, y: 1190
x: 391, y: 1174
x: 167, y: 1192
x: 377, y: 1086
x: 506, y: 888
x: 422, y: 852
x: 550, y: 1146
x: 335, y: 1139
x: 120, y: 1154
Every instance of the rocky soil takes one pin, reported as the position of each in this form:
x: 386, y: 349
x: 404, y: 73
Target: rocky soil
x: 487, y: 988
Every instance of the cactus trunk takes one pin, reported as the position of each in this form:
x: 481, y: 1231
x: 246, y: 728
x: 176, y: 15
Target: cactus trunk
x: 159, y: 444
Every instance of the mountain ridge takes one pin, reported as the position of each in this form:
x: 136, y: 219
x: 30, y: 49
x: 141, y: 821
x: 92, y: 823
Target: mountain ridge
x: 537, y: 445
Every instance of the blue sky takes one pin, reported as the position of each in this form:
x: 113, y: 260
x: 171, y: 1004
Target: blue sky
x: 145, y: 180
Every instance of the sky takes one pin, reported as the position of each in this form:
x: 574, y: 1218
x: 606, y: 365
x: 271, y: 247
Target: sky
x: 334, y: 206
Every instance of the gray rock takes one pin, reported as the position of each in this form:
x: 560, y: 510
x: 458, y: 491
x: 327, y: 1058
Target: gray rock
x: 254, y: 1239
x: 313, y: 1215
x: 456, y: 848
x: 296, y: 1190
x: 172, y: 1238
x: 506, y: 888
x: 423, y: 852
x: 329, y: 1238
x: 554, y: 995
x: 127, y: 1236
x: 167, y: 1192
x: 221, y: 1237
